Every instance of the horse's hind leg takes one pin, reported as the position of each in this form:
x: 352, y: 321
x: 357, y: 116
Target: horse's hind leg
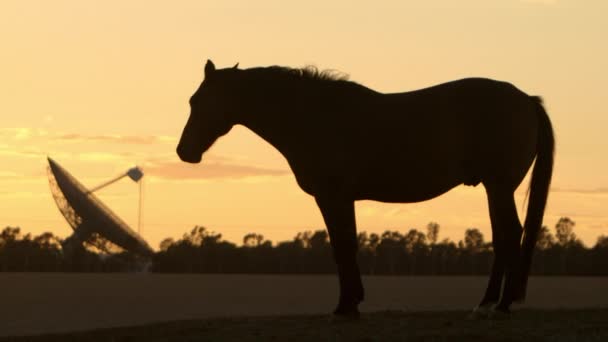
x: 507, y: 227
x: 492, y: 294
x: 339, y: 216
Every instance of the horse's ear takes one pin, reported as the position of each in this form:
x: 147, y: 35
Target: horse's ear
x: 209, y: 68
x: 236, y: 66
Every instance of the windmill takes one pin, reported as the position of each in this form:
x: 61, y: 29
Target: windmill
x: 92, y: 221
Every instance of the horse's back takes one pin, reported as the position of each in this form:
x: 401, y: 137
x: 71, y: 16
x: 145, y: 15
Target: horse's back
x: 418, y: 145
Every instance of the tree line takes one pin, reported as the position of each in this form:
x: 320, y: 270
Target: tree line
x: 414, y: 252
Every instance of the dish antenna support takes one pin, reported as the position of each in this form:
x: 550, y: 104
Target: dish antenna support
x: 136, y: 174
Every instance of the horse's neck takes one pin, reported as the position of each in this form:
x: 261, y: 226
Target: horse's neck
x: 268, y: 127
x: 288, y: 116
x: 272, y: 117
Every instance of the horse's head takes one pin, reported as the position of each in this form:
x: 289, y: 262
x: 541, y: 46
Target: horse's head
x: 212, y: 113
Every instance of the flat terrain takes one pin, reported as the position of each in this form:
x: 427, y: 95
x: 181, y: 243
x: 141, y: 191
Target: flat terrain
x: 34, y: 303
x: 528, y: 325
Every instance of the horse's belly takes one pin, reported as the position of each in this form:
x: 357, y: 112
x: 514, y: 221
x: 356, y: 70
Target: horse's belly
x: 406, y: 188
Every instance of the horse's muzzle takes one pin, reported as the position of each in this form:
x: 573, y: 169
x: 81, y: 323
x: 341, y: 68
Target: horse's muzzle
x: 188, y: 156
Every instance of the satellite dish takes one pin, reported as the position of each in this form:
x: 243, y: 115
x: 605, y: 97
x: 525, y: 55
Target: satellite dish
x: 89, y: 217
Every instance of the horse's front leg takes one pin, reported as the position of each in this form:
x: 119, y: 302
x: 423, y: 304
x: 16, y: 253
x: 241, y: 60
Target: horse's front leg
x: 339, y: 216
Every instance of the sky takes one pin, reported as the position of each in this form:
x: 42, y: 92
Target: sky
x: 101, y: 86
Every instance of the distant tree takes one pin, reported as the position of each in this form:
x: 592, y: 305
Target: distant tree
x: 10, y: 234
x: 319, y: 239
x: 303, y: 239
x: 449, y: 254
x: 47, y: 240
x: 602, y: 242
x: 432, y: 235
x: 200, y: 235
x: 599, y: 256
x: 473, y: 240
x: 166, y: 243
x: 474, y: 257
x: 564, y: 231
x: 432, y: 232
x: 390, y: 253
x: 253, y: 240
x: 368, y: 251
x: 545, y: 240
x: 203, y: 251
x: 414, y: 240
x: 417, y: 251
x: 45, y: 253
x: 373, y: 241
x: 362, y: 241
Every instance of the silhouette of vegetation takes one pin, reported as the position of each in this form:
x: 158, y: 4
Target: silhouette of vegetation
x: 390, y: 253
x: 44, y: 253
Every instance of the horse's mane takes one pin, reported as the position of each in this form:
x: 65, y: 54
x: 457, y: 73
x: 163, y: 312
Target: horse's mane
x: 311, y: 72
x: 309, y: 77
x: 307, y: 73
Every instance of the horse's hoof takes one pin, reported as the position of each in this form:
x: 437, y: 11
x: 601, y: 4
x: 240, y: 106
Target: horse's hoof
x: 498, y: 313
x: 345, y: 314
x: 344, y: 318
x: 480, y: 312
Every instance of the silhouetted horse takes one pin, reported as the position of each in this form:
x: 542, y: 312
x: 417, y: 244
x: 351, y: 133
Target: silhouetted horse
x: 345, y: 142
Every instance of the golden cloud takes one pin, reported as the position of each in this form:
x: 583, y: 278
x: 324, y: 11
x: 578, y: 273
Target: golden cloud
x: 217, y: 168
x: 600, y: 190
x: 118, y: 139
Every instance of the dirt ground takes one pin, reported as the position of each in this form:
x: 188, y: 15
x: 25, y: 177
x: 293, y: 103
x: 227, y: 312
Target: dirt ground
x: 34, y: 303
x: 527, y: 325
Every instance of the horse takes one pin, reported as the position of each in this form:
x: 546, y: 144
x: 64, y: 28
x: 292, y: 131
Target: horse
x: 345, y: 142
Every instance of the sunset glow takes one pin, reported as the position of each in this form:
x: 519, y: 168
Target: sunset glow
x: 101, y: 86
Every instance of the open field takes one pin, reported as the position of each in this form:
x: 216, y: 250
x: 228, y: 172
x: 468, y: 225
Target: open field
x: 535, y: 325
x: 54, y: 303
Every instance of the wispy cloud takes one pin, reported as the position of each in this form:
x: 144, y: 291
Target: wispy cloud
x: 33, y: 143
x: 599, y: 191
x: 217, y: 168
x: 22, y: 153
x: 118, y: 139
x: 23, y: 134
x: 10, y: 177
x: 543, y: 2
x: 100, y: 156
x: 164, y: 166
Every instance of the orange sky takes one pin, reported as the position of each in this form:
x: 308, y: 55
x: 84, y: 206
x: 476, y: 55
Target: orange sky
x: 103, y: 85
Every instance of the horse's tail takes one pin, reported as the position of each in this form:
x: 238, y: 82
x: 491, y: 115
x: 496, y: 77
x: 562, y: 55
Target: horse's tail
x: 538, y: 191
